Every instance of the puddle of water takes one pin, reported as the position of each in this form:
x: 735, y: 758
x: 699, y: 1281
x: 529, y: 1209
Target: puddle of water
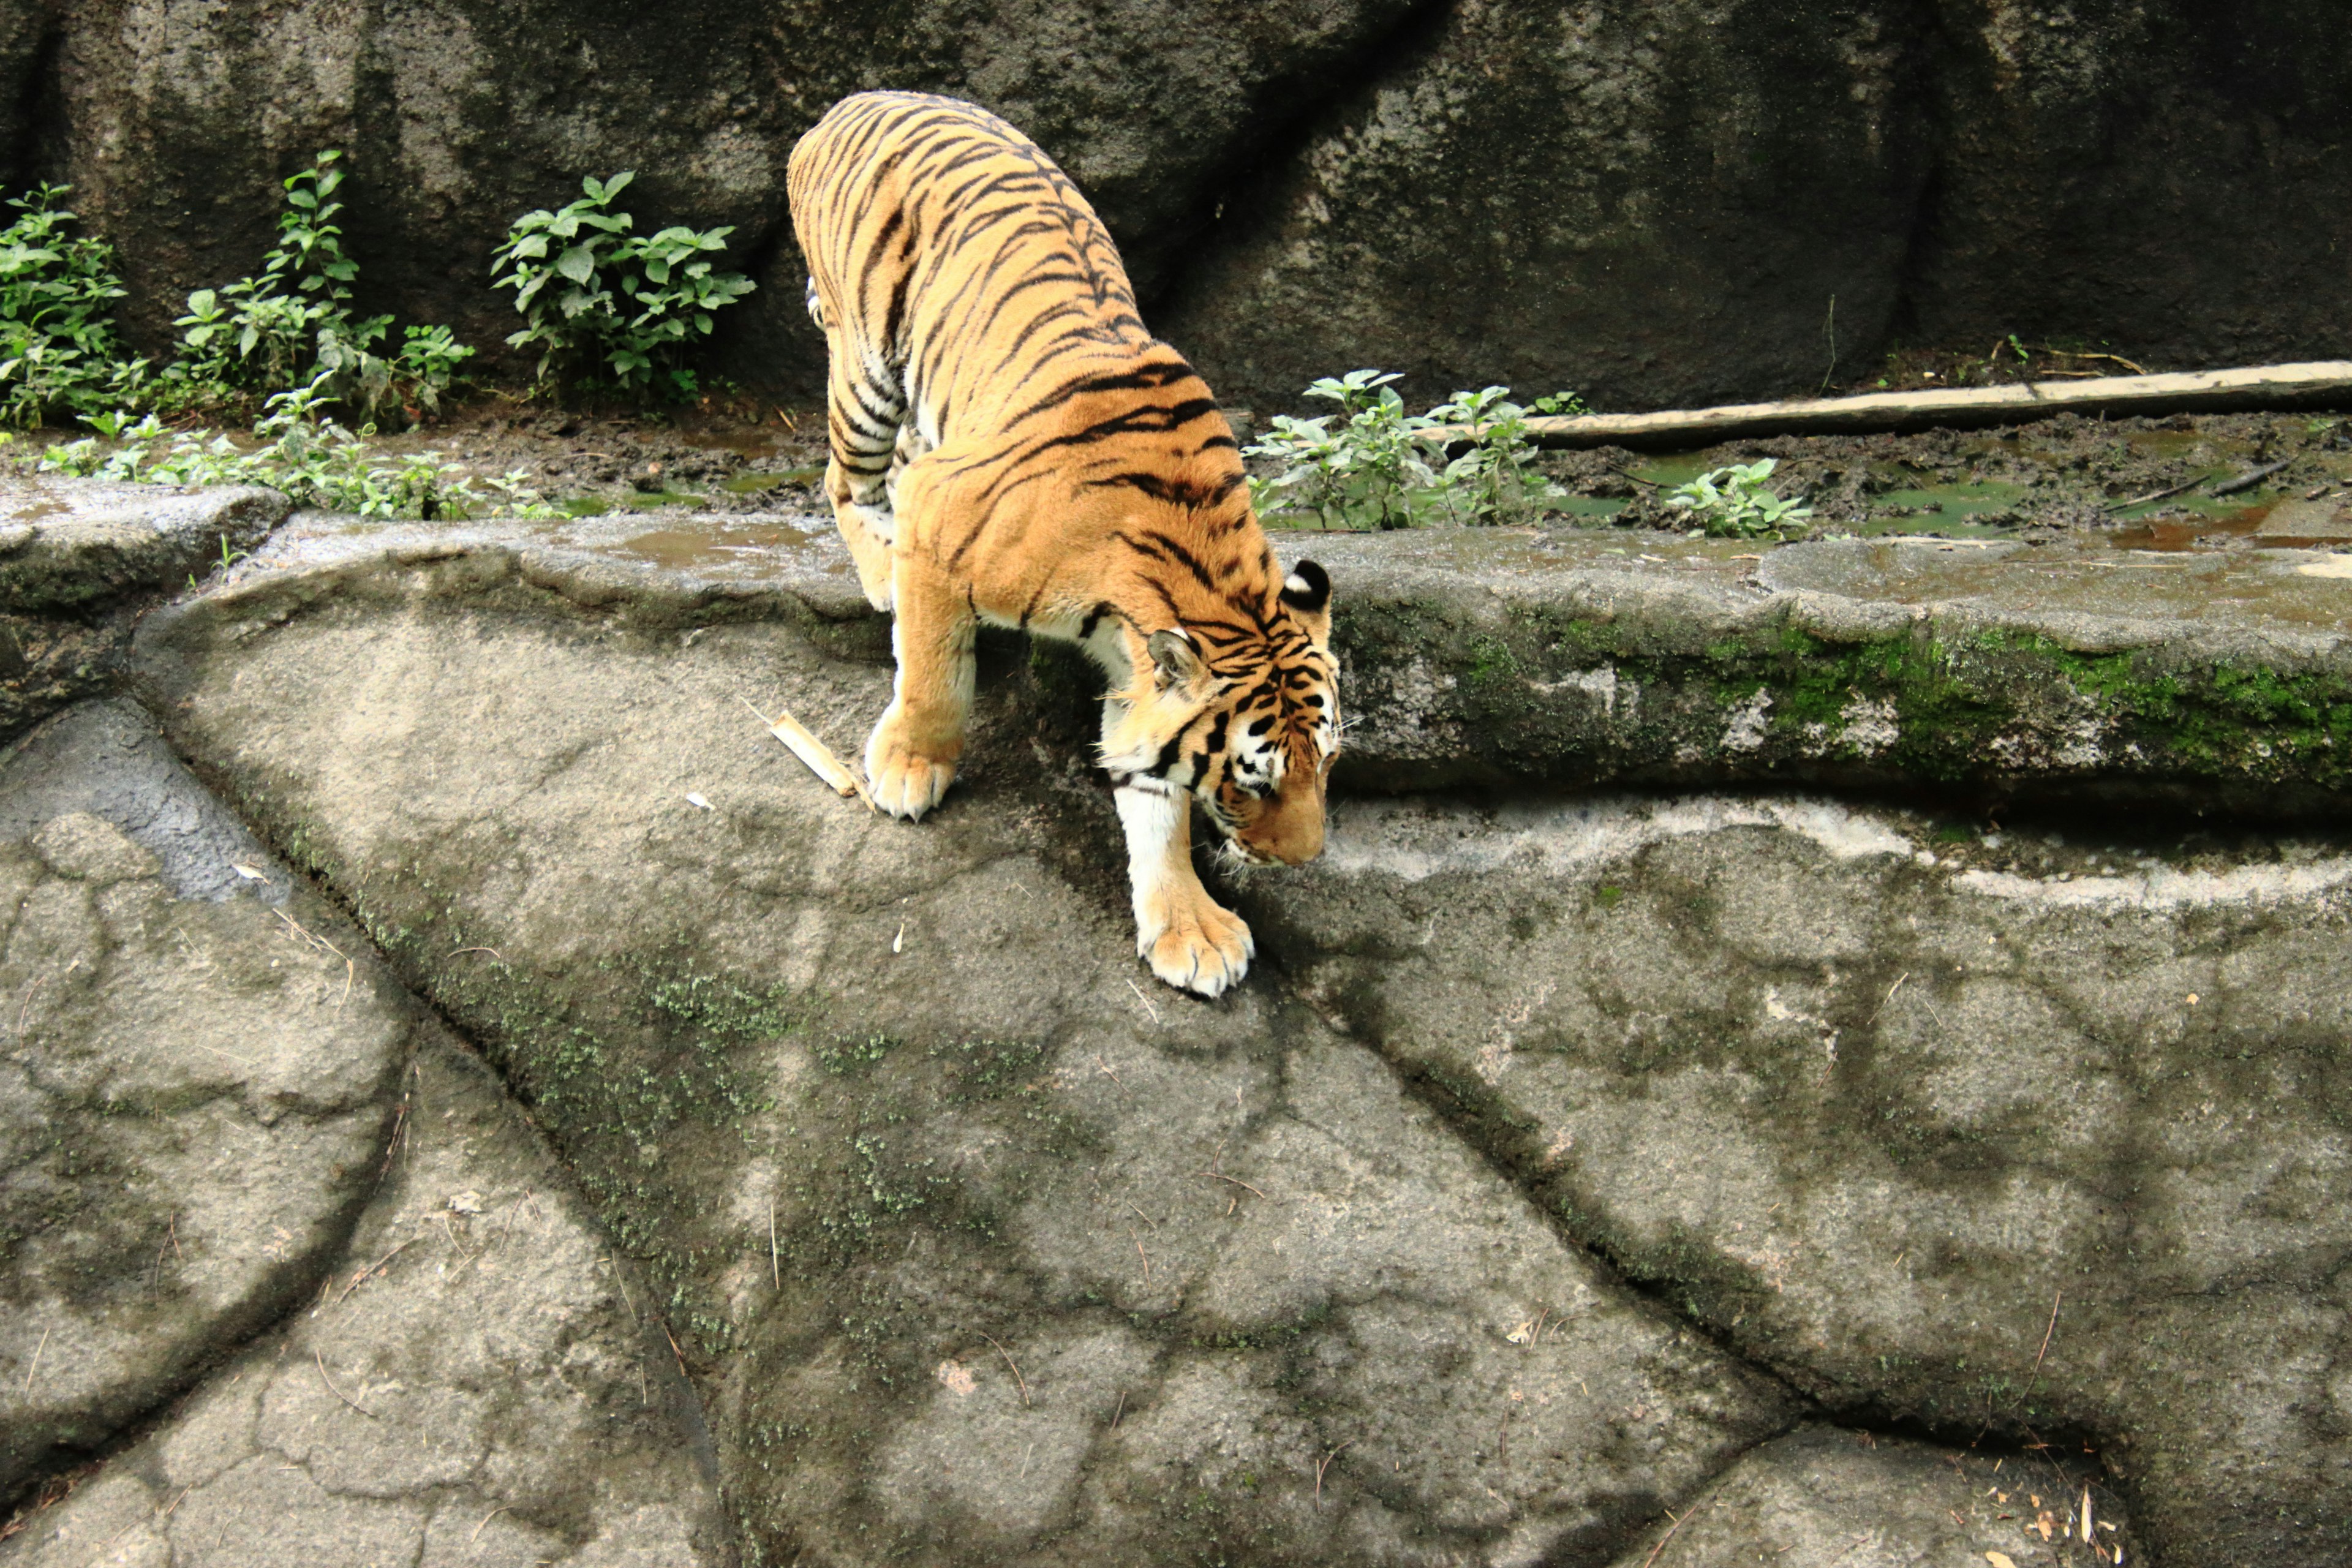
x: 1672, y: 469
x: 713, y: 544
x: 38, y: 510
x: 2225, y: 518
x: 1591, y: 508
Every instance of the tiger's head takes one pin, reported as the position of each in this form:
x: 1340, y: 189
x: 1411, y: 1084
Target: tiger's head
x: 1241, y: 707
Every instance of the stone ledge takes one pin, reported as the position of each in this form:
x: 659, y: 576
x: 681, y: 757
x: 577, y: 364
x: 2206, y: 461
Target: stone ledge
x: 70, y: 546
x: 1990, y: 671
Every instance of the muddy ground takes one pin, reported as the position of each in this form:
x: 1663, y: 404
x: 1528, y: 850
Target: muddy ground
x: 2202, y: 482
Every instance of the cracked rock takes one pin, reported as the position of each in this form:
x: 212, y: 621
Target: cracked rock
x: 2008, y: 1132
x: 468, y: 1389
x: 976, y: 1247
x: 1820, y: 1497
x: 194, y: 1097
x: 66, y: 545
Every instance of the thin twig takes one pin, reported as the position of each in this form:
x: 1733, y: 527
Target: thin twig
x: 362, y: 1277
x: 2248, y: 480
x: 485, y: 1524
x: 337, y: 1392
x: 2153, y: 495
x: 1120, y: 1410
x: 1324, y: 1465
x: 1107, y: 1067
x: 1221, y: 1176
x: 36, y: 1365
x: 775, y: 1261
x: 1143, y: 1255
x: 1891, y: 990
x: 493, y: 951
x: 1139, y: 996
x: 1669, y: 1535
x: 1008, y: 1361
x: 2053, y: 1329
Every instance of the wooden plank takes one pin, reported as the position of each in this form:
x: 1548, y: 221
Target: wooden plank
x: 2320, y: 383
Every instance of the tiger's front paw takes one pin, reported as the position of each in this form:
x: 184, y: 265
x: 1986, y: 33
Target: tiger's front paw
x: 906, y: 778
x: 1194, y: 943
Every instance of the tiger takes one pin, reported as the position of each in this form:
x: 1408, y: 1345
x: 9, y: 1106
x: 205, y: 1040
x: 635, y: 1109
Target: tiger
x: 1008, y: 444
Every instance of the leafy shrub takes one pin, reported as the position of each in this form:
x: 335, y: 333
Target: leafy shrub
x: 1373, y: 462
x: 58, y: 351
x: 291, y: 326
x: 1734, y: 503
x: 606, y: 306
x: 297, y: 449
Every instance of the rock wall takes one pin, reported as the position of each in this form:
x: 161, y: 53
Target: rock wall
x: 1775, y: 1174
x: 1654, y: 203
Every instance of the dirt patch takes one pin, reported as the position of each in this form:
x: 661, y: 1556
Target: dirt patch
x: 2139, y: 484
x: 2205, y: 481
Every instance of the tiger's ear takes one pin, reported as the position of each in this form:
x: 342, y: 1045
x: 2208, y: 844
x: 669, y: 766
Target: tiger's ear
x: 1173, y: 655
x: 1308, y: 592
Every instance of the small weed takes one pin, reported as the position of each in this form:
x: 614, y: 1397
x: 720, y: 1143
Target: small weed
x: 607, y: 307
x: 845, y: 1057
x: 291, y: 325
x: 299, y: 450
x: 58, y: 351
x: 1372, y: 464
x: 1734, y: 503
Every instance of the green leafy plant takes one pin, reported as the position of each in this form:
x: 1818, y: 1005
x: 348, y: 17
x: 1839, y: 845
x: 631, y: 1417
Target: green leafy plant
x: 58, y: 351
x: 1373, y: 463
x: 297, y: 449
x: 604, y: 306
x: 1735, y: 502
x: 291, y: 325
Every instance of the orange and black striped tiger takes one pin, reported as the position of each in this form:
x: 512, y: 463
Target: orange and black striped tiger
x: 1010, y: 445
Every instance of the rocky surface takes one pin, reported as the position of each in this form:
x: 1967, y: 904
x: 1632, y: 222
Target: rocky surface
x: 193, y: 1102
x: 2088, y: 152
x: 968, y: 1238
x: 1568, y: 1165
x: 76, y: 560
x: 477, y: 1381
x: 1986, y: 670
x: 1651, y: 203
x: 1887, y: 1104
x: 458, y: 115
x: 1821, y: 1495
x: 1707, y: 179
x: 71, y: 544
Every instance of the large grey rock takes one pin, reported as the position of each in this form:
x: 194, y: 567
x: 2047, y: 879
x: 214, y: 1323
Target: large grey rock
x: 458, y: 115
x: 76, y: 559
x: 68, y: 545
x: 976, y: 1244
x: 1654, y: 204
x: 1820, y: 1497
x: 2089, y: 154
x: 1998, y: 1133
x: 194, y: 1096
x: 1988, y: 672
x: 478, y: 1381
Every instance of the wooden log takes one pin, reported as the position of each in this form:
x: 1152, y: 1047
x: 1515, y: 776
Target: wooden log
x: 2326, y: 382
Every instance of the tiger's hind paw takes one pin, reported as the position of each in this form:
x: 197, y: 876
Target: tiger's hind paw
x: 904, y: 780
x: 1198, y: 946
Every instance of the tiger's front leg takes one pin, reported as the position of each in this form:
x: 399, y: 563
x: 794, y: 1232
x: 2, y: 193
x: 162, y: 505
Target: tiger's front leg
x: 1192, y: 941
x: 911, y: 756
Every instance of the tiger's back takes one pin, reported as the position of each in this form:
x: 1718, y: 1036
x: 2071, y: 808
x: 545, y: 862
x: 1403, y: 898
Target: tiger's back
x: 1010, y: 443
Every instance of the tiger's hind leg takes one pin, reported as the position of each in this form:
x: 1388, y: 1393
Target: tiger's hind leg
x: 863, y: 418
